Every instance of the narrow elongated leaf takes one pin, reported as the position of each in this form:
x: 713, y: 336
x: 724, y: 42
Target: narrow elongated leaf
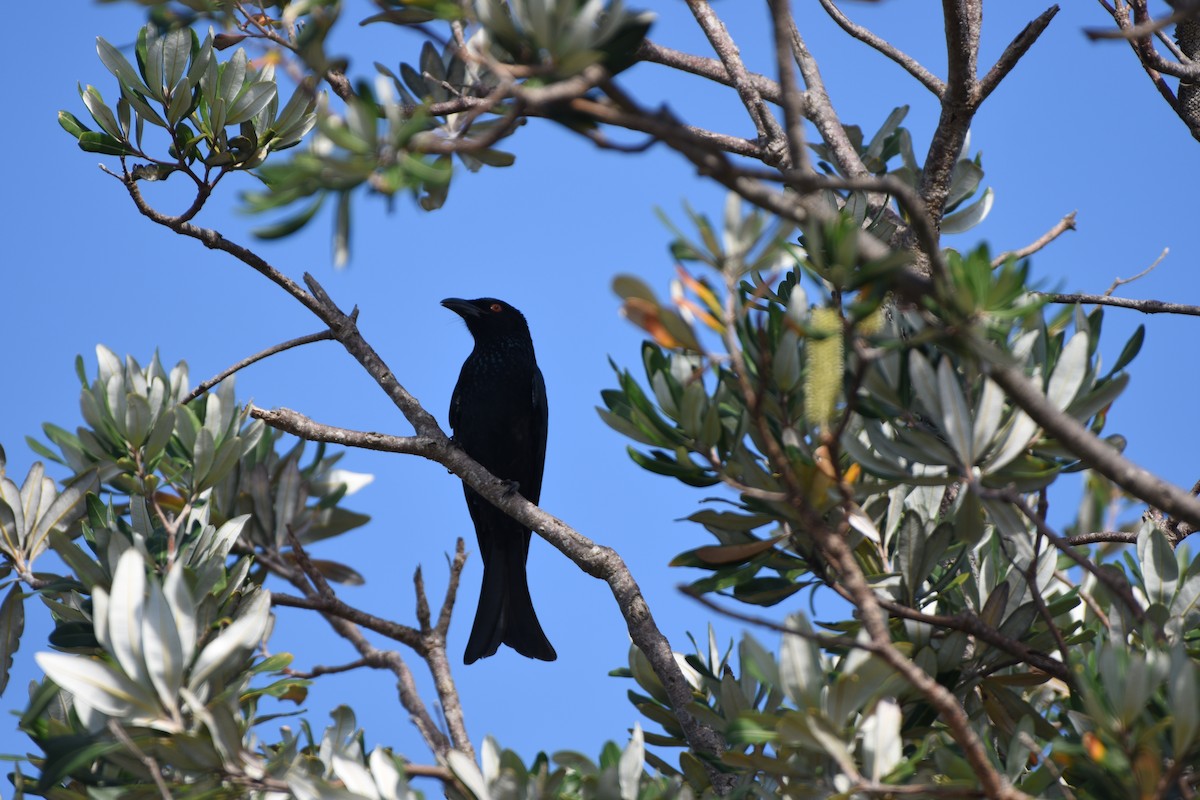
x: 1069, y: 372
x: 120, y: 67
x: 956, y: 419
x: 632, y: 765
x: 468, y: 773
x: 1160, y: 570
x: 970, y: 216
x: 800, y: 667
x: 125, y: 611
x: 97, y: 684
x: 236, y: 641
x: 66, y: 509
x: 12, y: 625
x: 162, y: 649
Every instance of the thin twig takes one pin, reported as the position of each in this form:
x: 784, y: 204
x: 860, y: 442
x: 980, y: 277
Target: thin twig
x: 1065, y: 224
x: 1118, y: 282
x: 148, y: 761
x: 718, y: 36
x: 319, y: 336
x: 1017, y: 48
x: 1144, y: 306
x: 910, y: 64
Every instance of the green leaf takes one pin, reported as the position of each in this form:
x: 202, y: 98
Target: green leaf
x: 96, y: 683
x: 177, y: 49
x: 970, y: 216
x: 1160, y: 570
x: 12, y: 625
x: 118, y: 65
x: 96, y: 142
x: 71, y: 124
x: 1131, y: 349
x: 253, y: 100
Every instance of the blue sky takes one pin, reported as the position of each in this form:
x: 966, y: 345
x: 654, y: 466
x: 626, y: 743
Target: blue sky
x: 1077, y: 126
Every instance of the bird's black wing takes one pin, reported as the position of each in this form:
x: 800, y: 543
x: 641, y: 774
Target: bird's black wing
x: 539, y: 418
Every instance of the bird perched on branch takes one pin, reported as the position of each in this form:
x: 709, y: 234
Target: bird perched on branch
x: 498, y: 414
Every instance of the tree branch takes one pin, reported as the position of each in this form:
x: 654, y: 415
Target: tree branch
x: 319, y: 336
x: 769, y: 132
x: 596, y: 560
x: 1145, y: 306
x: 1098, y: 454
x: 910, y: 64
x: 1065, y: 224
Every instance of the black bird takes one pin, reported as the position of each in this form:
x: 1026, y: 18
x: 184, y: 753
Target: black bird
x: 498, y: 414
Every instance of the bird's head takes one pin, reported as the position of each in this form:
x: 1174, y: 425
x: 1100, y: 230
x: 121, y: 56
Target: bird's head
x: 489, y: 318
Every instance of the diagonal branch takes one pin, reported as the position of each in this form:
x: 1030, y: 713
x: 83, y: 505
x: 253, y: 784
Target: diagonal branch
x: 596, y: 560
x: 868, y: 37
x: 1013, y: 53
x: 1065, y: 224
x: 319, y: 336
x: 1098, y: 454
x: 764, y: 122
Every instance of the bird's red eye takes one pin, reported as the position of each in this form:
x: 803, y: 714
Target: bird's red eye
x: 496, y: 308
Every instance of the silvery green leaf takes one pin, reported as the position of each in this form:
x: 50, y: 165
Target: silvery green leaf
x: 144, y: 110
x: 89, y: 573
x: 201, y: 62
x: 786, y: 363
x: 12, y: 625
x: 125, y: 611
x: 182, y: 606
x: 181, y: 101
x: 1088, y: 404
x: 97, y: 684
x: 924, y: 384
x: 881, y: 742
x: 1011, y: 526
x: 236, y: 641
x: 13, y: 526
x: 1016, y: 434
x: 468, y: 774
x: 864, y: 455
x: 177, y: 49
x: 797, y: 307
x: 632, y: 765
x: 489, y: 759
x: 162, y: 648
x: 956, y: 419
x: 354, y: 776
x: 989, y: 413
x: 100, y: 112
x: 1160, y: 570
x: 202, y: 457
x: 859, y: 677
x: 68, y: 506
x: 137, y: 419
x: 970, y: 216
x: 120, y: 67
x: 233, y: 75
x: 1069, y: 372
x: 250, y: 102
x: 388, y: 779
x: 100, y: 617
x: 800, y: 669
x: 964, y: 181
x: 1183, y: 692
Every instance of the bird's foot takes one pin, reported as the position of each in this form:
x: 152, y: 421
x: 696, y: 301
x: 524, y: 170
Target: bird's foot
x: 511, y: 487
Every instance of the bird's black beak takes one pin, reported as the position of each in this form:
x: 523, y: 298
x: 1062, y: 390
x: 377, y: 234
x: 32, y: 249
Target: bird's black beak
x: 464, y: 308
